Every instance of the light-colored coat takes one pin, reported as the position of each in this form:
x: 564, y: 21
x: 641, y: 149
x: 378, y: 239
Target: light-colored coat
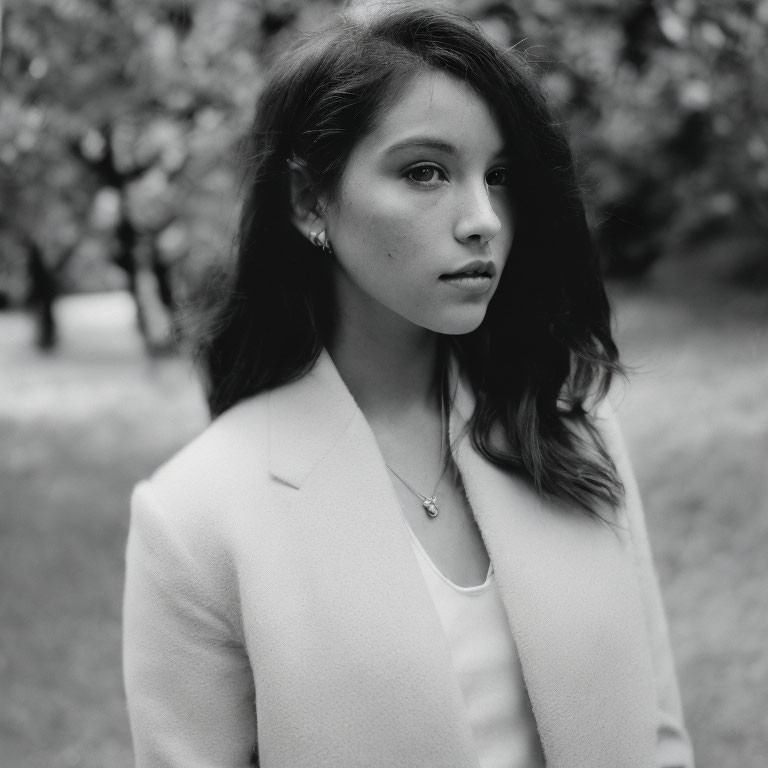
x: 273, y: 596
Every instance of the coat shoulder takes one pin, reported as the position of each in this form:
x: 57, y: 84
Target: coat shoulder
x: 219, y: 472
x: 187, y: 517
x: 234, y: 441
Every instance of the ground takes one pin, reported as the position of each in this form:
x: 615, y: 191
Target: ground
x: 79, y: 428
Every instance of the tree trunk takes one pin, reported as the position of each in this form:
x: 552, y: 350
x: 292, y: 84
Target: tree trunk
x: 42, y: 294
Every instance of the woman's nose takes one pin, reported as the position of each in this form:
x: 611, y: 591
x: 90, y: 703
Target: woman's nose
x: 477, y: 218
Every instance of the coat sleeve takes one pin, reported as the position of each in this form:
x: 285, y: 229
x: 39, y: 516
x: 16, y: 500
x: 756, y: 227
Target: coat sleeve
x: 188, y: 681
x: 673, y: 743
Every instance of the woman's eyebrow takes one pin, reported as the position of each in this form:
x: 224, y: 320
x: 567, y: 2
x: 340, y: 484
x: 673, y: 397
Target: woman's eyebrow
x: 423, y: 142
x: 430, y: 142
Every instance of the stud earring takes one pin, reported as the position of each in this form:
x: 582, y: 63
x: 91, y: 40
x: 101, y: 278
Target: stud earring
x: 320, y: 240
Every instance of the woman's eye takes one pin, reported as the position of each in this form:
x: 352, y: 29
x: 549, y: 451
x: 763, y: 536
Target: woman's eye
x: 498, y: 177
x: 425, y: 174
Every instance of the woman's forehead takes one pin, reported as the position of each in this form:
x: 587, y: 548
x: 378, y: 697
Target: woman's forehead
x: 438, y: 111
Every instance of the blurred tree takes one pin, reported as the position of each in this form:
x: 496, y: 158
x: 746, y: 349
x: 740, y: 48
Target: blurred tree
x: 120, y: 125
x: 118, y: 144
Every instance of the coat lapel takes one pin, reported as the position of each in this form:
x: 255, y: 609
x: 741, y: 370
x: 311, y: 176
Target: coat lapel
x: 386, y: 685
x: 575, y: 612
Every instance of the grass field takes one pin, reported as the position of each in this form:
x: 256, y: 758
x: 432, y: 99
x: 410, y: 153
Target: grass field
x: 79, y: 428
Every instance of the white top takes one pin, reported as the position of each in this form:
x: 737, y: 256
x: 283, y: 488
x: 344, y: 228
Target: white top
x: 487, y: 666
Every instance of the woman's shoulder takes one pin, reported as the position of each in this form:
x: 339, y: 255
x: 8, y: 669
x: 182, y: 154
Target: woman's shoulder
x: 188, y: 516
x: 604, y: 412
x: 601, y: 409
x: 236, y: 437
x: 605, y: 415
x: 227, y: 461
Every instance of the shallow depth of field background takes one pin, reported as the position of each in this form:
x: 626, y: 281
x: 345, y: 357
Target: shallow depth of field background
x: 118, y: 174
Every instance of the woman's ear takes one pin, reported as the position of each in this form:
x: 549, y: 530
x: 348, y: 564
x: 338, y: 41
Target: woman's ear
x: 306, y: 204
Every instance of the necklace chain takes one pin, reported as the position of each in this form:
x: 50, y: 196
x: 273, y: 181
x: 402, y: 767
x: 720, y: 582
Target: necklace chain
x: 430, y: 502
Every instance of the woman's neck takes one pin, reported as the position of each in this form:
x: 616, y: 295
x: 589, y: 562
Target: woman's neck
x: 390, y: 371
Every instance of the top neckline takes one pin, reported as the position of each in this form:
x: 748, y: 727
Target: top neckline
x: 473, y: 590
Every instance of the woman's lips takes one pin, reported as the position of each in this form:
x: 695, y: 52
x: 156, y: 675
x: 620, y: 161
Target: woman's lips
x: 471, y: 282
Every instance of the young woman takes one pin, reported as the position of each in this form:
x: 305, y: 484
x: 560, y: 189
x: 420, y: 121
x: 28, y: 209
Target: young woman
x: 411, y: 536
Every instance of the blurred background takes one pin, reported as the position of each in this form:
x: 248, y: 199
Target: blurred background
x: 120, y: 130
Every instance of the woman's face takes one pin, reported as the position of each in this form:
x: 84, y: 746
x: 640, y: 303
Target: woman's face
x: 422, y: 222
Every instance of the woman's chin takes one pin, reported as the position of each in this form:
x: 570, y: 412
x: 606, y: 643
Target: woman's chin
x: 459, y: 324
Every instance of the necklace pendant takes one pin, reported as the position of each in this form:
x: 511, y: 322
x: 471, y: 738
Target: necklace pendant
x: 430, y: 505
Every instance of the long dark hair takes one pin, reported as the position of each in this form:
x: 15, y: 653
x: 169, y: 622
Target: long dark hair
x: 545, y: 345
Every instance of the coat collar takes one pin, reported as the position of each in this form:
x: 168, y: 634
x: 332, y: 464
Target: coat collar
x: 308, y: 416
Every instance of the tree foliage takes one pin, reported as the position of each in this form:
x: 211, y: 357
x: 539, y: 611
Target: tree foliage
x: 121, y: 121
x: 667, y: 101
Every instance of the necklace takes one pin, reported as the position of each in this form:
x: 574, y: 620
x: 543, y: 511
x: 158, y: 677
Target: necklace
x: 430, y: 502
